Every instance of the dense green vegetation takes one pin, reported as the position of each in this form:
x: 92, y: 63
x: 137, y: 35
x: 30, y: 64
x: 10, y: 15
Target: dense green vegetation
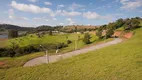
x: 128, y: 24
x: 12, y: 33
x: 120, y: 62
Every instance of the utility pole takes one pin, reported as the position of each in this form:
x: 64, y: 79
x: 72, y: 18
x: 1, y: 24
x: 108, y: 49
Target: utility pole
x: 46, y: 54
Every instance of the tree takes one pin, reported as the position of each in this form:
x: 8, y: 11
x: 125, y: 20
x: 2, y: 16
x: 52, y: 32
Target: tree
x: 102, y: 27
x: 109, y: 33
x: 135, y: 23
x: 12, y: 49
x: 12, y: 33
x: 1, y: 29
x: 50, y: 32
x: 119, y: 23
x: 111, y: 26
x: 99, y: 34
x: 131, y: 24
x: 75, y: 29
x: 87, y: 38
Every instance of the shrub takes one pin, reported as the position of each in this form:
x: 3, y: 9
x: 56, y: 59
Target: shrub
x: 11, y: 52
x: 87, y: 38
x: 109, y: 33
x: 3, y: 52
x: 20, y: 51
x: 99, y: 34
x: 69, y: 41
x: 12, y: 33
x: 61, y: 45
x: 50, y: 32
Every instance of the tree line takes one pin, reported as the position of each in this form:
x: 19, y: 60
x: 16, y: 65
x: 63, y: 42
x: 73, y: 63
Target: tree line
x: 127, y: 24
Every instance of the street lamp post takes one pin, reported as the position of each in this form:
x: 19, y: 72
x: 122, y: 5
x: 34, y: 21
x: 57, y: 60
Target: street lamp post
x: 46, y: 54
x: 74, y: 45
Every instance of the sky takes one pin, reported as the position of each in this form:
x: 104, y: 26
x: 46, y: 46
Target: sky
x: 32, y: 13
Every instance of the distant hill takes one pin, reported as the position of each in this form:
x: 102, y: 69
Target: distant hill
x: 4, y: 27
x: 81, y: 27
x: 78, y: 28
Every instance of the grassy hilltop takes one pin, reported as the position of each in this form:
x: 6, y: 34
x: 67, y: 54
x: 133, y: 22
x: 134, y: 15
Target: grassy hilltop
x: 118, y: 62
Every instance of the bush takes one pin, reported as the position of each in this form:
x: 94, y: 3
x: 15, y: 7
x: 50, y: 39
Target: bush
x: 69, y: 41
x: 50, y: 32
x: 99, y: 34
x: 87, y: 38
x: 3, y: 52
x: 61, y: 45
x: 11, y: 52
x: 20, y: 51
x: 12, y: 33
x: 109, y: 33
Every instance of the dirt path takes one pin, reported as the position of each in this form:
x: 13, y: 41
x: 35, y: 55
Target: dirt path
x: 54, y: 58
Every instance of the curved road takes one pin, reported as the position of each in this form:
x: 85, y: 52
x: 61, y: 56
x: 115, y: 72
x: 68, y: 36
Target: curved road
x: 54, y: 58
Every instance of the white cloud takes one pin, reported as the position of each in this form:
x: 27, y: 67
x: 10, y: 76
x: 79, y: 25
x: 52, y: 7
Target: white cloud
x: 5, y: 22
x: 18, y: 18
x: 60, y: 6
x: 41, y: 19
x: 48, y: 3
x: 58, y: 12
x: 94, y: 15
x: 75, y: 6
x: 70, y: 14
x: 129, y: 5
x: 70, y: 21
x: 33, y: 0
x: 24, y: 18
x: 91, y: 15
x: 12, y: 16
x: 30, y: 8
x: 61, y: 23
x: 11, y: 12
x: 54, y: 19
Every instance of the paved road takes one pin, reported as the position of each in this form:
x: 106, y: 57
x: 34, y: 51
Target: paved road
x: 54, y: 58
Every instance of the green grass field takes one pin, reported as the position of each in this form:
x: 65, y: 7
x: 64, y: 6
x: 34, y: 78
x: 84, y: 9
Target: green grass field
x: 118, y: 62
x: 28, y: 40
x: 33, y: 39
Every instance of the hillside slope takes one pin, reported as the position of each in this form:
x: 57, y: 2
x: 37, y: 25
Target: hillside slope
x: 118, y: 62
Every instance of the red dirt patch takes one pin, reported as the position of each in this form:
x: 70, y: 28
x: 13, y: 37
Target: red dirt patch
x: 128, y: 35
x: 117, y: 33
x: 2, y: 63
x: 123, y: 34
